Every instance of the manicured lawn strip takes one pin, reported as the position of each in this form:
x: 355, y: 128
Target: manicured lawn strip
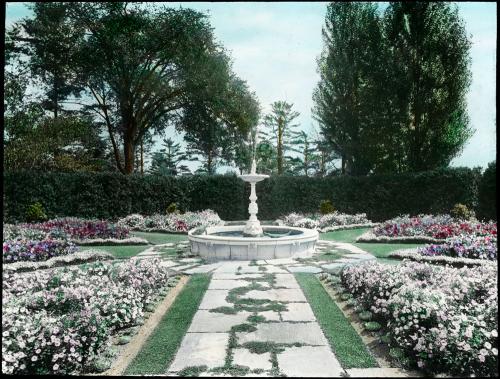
x: 348, y: 235
x: 344, y: 340
x: 121, y: 251
x: 382, y: 250
x: 160, y: 348
x: 159, y: 238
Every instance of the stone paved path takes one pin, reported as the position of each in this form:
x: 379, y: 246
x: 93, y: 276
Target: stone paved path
x: 257, y: 319
x: 254, y: 319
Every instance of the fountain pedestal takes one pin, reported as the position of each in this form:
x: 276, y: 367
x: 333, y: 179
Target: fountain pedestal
x: 252, y: 227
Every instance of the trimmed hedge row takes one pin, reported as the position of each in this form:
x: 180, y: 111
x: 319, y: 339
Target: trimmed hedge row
x: 112, y: 195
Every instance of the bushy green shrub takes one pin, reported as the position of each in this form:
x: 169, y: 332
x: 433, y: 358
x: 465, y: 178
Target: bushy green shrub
x: 326, y: 207
x: 172, y: 208
x: 35, y: 212
x: 461, y: 212
x: 487, y: 198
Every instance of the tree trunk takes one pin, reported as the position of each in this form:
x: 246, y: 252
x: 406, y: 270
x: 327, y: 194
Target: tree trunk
x: 142, y: 157
x: 343, y: 164
x: 128, y: 152
x: 280, y: 150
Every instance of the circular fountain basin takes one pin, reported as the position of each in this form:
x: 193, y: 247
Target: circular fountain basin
x: 228, y: 243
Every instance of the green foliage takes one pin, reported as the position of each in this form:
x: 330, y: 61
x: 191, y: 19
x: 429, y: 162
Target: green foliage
x: 372, y: 326
x: 156, y: 66
x: 326, y: 207
x: 112, y: 195
x: 280, y: 130
x: 391, y: 96
x: 168, y: 161
x: 461, y: 212
x: 172, y: 208
x: 487, y: 207
x: 35, y: 212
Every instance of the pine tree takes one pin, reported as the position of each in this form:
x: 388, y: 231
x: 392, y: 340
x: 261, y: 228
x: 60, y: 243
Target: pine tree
x: 280, y: 130
x: 169, y: 160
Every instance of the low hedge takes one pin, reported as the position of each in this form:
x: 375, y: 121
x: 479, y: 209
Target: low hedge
x: 113, y: 195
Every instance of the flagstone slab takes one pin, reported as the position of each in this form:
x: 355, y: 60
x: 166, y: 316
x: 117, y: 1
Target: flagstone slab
x: 281, y: 261
x: 270, y: 269
x: 202, y: 269
x: 278, y: 294
x: 215, y: 299
x: 244, y: 357
x: 270, y: 315
x: 321, y: 362
x: 298, y: 312
x: 205, y: 321
x: 286, y: 280
x: 216, y: 284
x: 198, y: 349
x: 168, y: 264
x: 227, y: 276
x: 307, y: 269
x: 285, y: 332
x: 333, y: 266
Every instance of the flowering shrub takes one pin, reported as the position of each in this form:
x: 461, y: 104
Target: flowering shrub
x: 439, y: 227
x: 464, y: 247
x: 60, y: 321
x: 444, y: 319
x: 35, y: 251
x: 16, y: 232
x: 315, y: 221
x: 171, y: 222
x: 77, y: 228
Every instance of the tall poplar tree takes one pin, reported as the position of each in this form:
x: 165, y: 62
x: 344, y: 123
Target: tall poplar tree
x: 429, y: 59
x: 348, y: 97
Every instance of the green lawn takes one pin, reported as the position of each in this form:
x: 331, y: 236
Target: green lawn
x: 160, y: 238
x: 379, y: 250
x: 160, y: 348
x: 348, y: 235
x: 122, y: 251
x: 344, y: 340
x: 382, y: 250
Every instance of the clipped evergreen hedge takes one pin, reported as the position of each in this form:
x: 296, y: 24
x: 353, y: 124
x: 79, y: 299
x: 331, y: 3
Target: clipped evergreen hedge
x: 487, y: 207
x: 113, y: 195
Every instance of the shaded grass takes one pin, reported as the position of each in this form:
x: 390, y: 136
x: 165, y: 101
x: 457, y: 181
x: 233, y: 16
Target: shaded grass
x: 344, y: 340
x: 159, y: 350
x: 348, y: 235
x: 122, y: 251
x: 159, y: 238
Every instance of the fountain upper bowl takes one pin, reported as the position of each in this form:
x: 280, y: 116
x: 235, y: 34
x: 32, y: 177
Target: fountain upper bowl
x: 253, y: 178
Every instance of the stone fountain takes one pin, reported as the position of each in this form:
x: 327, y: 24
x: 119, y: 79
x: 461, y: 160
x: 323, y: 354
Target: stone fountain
x: 250, y: 240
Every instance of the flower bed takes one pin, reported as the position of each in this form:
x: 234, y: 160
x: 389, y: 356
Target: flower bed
x: 85, y: 256
x: 330, y: 221
x: 81, y: 229
x: 443, y: 319
x: 59, y: 321
x: 471, y: 247
x: 170, y: 223
x: 458, y: 251
x: 35, y: 251
x: 413, y: 255
x: 437, y: 227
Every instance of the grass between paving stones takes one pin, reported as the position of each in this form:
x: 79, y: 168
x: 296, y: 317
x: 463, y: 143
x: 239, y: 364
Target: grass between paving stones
x: 160, y: 348
x: 160, y: 238
x: 344, y: 340
x: 122, y: 251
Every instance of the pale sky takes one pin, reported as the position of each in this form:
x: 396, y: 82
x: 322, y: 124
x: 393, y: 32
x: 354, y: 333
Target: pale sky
x: 274, y: 47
